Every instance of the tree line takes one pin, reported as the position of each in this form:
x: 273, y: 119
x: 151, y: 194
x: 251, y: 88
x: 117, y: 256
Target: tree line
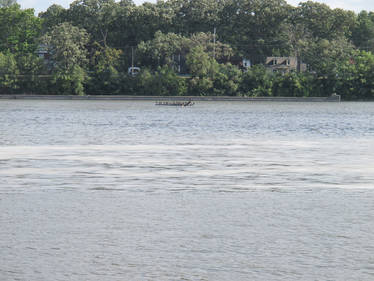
x: 184, y: 47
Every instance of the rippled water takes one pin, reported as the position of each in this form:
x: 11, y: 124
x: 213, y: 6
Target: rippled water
x: 115, y: 190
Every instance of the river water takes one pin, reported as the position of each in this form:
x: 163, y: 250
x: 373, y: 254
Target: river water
x: 122, y: 190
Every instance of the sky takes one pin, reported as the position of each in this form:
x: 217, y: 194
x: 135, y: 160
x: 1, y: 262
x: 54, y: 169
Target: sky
x: 354, y: 5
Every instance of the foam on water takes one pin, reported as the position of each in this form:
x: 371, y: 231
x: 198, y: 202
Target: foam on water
x: 236, y: 166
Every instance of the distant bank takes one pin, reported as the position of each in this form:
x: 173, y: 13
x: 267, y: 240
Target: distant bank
x: 333, y: 98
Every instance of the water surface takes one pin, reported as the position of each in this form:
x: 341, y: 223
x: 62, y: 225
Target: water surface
x: 120, y: 190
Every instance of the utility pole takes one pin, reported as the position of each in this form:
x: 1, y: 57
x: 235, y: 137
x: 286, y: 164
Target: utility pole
x: 214, y: 43
x: 179, y: 65
x: 132, y: 60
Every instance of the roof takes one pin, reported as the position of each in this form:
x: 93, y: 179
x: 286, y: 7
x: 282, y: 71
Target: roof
x: 281, y: 61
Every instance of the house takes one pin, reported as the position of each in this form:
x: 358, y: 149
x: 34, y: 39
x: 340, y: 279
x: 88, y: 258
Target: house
x: 284, y: 64
x: 42, y: 52
x: 242, y: 63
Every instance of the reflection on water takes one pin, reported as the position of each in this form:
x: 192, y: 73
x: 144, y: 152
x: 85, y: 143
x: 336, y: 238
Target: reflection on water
x: 219, y: 191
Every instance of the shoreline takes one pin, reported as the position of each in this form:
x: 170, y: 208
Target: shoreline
x: 333, y: 98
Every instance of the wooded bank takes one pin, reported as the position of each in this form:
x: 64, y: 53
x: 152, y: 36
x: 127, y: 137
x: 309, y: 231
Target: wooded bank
x: 89, y: 48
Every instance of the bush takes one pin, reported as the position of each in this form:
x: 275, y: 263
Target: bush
x: 256, y: 82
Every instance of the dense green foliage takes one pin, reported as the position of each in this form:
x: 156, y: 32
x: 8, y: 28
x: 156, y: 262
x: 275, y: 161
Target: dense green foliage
x: 6, y: 3
x: 185, y: 48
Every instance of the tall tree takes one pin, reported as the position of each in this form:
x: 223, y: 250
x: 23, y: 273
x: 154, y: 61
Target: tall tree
x: 95, y: 16
x: 66, y: 45
x: 195, y: 15
x: 54, y: 15
x: 171, y: 48
x: 255, y: 28
x: 18, y: 30
x: 363, y: 31
x: 325, y: 57
x: 104, y: 70
x: 122, y: 29
x: 203, y: 69
x: 356, y: 76
x: 144, y: 21
x: 324, y: 22
x: 8, y: 73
